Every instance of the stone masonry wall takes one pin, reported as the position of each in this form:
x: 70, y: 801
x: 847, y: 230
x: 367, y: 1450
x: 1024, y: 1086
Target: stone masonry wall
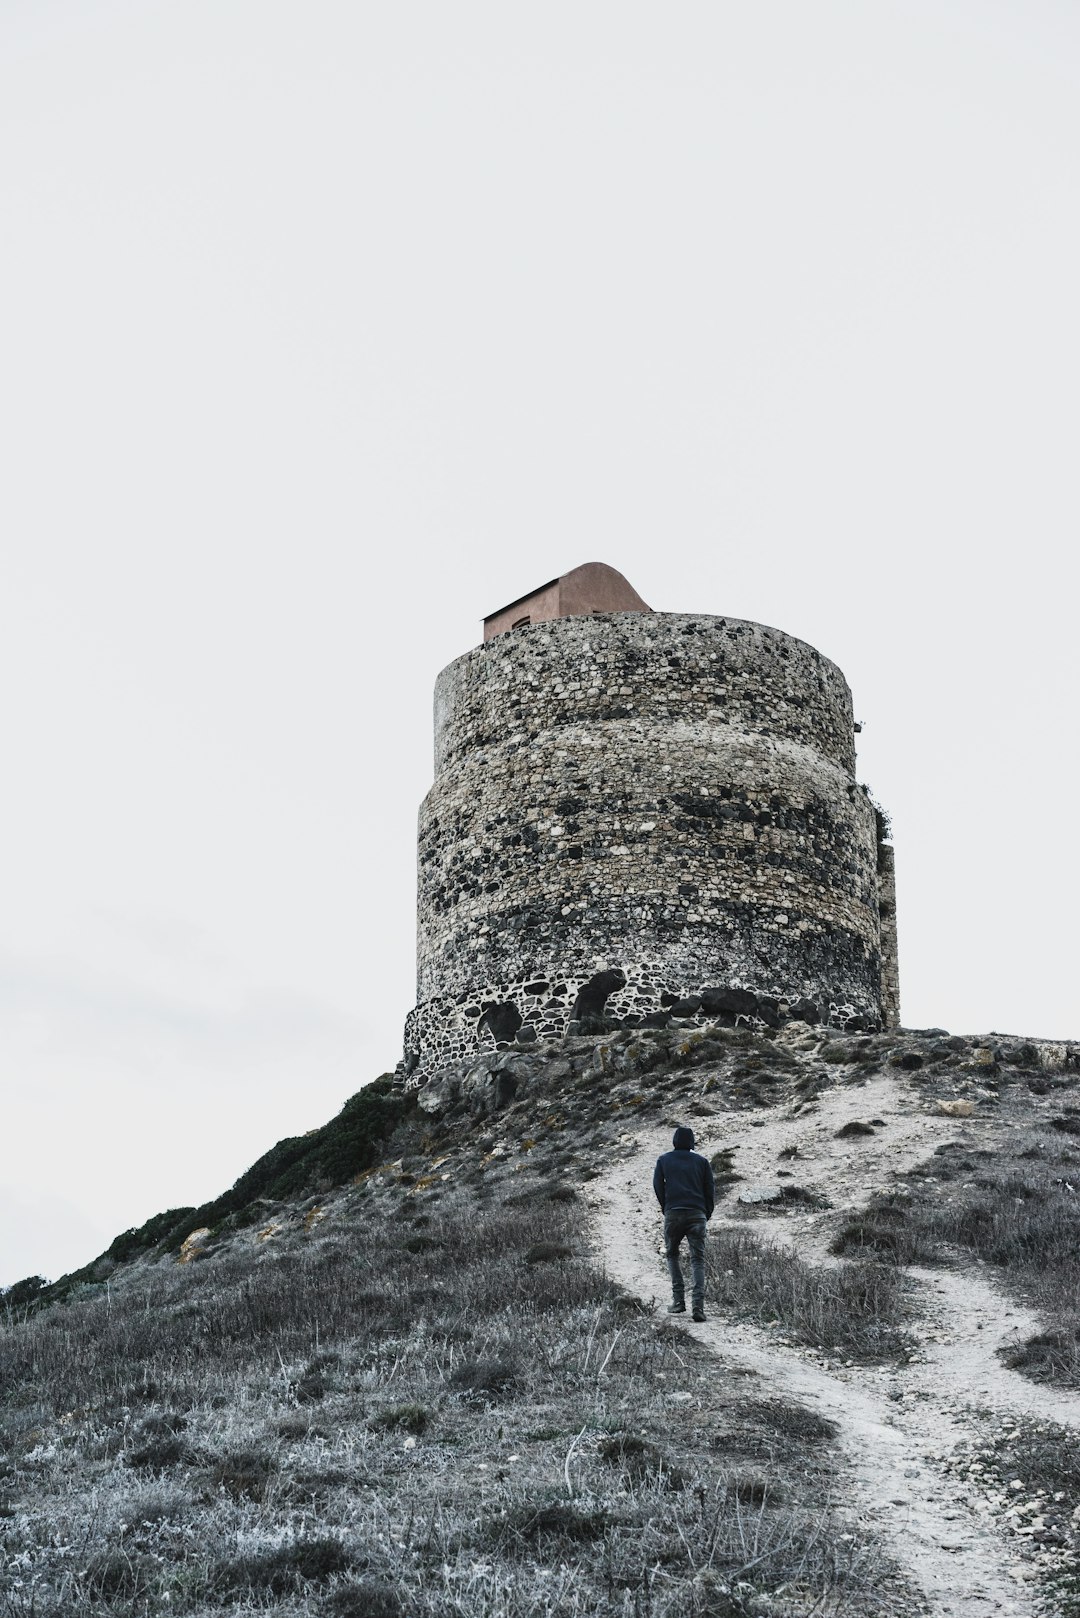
x: 634, y: 812
x: 890, y: 965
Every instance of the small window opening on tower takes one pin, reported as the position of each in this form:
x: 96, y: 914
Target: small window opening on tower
x: 519, y: 623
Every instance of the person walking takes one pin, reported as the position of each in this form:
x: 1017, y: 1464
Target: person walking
x: 686, y: 1191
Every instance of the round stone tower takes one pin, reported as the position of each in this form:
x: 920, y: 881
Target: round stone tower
x: 640, y: 816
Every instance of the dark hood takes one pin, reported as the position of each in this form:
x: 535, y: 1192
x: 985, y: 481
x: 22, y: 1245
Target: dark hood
x: 683, y: 1140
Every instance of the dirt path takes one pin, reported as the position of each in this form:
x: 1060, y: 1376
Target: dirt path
x: 898, y: 1424
x: 844, y: 1171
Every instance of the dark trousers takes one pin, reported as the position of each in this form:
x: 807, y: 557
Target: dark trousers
x: 678, y: 1223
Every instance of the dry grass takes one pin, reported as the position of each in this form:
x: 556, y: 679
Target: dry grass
x: 359, y: 1426
x: 430, y: 1405
x: 1019, y: 1212
x: 1050, y: 1356
x: 856, y: 1311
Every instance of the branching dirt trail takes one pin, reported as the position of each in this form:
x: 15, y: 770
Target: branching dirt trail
x: 898, y: 1424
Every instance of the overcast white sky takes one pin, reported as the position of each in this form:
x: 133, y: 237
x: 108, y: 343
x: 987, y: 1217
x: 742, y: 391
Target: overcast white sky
x: 326, y: 328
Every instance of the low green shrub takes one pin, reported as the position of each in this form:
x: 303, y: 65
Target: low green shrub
x: 412, y: 1418
x: 282, y: 1570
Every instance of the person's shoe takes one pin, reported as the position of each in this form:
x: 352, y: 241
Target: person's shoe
x: 676, y: 1308
x: 698, y: 1315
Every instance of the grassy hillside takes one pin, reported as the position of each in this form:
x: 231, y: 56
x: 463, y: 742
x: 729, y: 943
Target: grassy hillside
x: 393, y: 1380
x: 329, y: 1156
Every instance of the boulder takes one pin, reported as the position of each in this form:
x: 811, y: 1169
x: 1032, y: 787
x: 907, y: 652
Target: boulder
x: 503, y: 1019
x: 603, y: 1059
x: 686, y: 1008
x: 441, y: 1090
x: 192, y: 1246
x: 588, y: 1009
x: 768, y: 1009
x: 761, y: 1193
x: 739, y: 1002
x: 504, y: 1089
x: 434, y: 1098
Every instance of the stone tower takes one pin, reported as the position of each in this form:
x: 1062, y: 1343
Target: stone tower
x: 643, y: 816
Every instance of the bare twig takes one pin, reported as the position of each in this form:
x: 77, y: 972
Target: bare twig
x: 566, y: 1464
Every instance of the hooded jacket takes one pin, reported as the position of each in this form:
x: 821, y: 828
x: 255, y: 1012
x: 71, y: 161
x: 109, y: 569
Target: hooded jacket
x: 683, y: 1179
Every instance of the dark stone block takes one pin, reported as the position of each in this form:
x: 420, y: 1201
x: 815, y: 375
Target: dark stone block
x: 593, y: 996
x: 740, y: 1002
x: 686, y: 1008
x: 536, y: 988
x: 526, y: 1035
x: 804, y: 1011
x: 504, y: 1020
x: 768, y: 1010
x: 655, y: 1019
